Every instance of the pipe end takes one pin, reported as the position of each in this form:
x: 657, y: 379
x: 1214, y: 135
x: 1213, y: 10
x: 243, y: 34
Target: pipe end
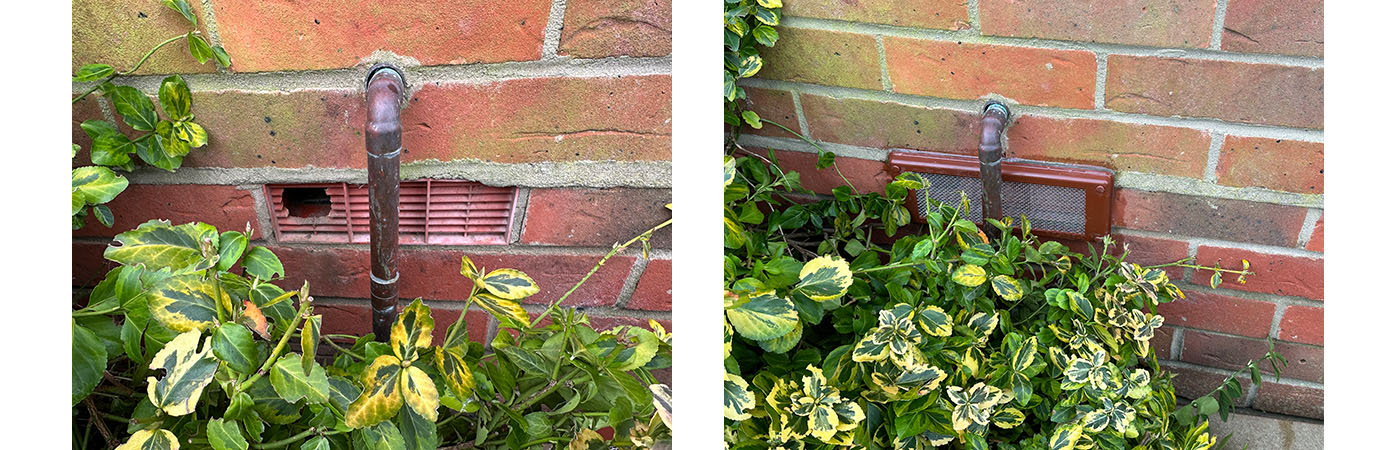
x: 996, y: 107
x: 383, y: 69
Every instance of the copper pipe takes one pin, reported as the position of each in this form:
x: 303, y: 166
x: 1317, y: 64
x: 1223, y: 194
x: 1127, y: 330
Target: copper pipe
x: 994, y: 118
x: 383, y: 144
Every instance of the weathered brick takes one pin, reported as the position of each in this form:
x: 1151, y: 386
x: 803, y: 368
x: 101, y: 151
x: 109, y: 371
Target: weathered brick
x: 120, y: 32
x: 1035, y: 76
x: 1273, y: 274
x: 1290, y: 27
x: 1277, y: 164
x: 351, y: 317
x: 595, y: 217
x: 773, y: 105
x: 939, y: 14
x: 603, y: 28
x: 864, y: 174
x: 598, y: 119
x: 1147, y: 251
x: 1301, y: 324
x: 1232, y: 353
x: 1162, y: 342
x: 1231, y: 220
x: 225, y: 207
x: 85, y: 110
x: 831, y: 58
x: 435, y: 274
x: 89, y: 267
x: 1192, y: 382
x: 1117, y: 145
x: 1233, y: 91
x: 1315, y: 242
x: 1287, y: 399
x: 654, y: 288
x: 325, y: 34
x: 879, y: 124
x: 1215, y: 312
x: 1159, y: 23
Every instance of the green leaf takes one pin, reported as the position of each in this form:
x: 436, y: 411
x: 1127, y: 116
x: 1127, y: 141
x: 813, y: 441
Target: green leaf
x: 231, y: 247
x: 529, y: 362
x: 310, y: 336
x: 234, y: 345
x: 383, y: 436
x: 158, y: 439
x: 134, y: 106
x: 262, y: 263
x: 97, y: 185
x: 187, y: 372
x: 184, y: 302
x: 157, y: 244
x: 318, y: 443
x: 1215, y: 280
x: 198, y: 48
x: 293, y: 383
x: 783, y: 343
x: 104, y: 215
x: 1008, y: 288
x: 751, y: 118
x: 93, y: 72
x: 765, y: 35
x: 183, y: 8
x: 767, y: 16
x: 750, y: 66
x: 175, y: 97
x: 418, y: 433
x: 221, y: 56
x: 764, y: 316
x: 509, y: 284
x: 89, y: 361
x: 226, y: 435
x: 1080, y: 304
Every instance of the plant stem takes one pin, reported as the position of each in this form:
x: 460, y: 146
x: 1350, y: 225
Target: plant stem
x: 814, y: 144
x: 291, y: 439
x: 97, y: 313
x: 128, y: 72
x: 590, y: 273
x: 272, y: 358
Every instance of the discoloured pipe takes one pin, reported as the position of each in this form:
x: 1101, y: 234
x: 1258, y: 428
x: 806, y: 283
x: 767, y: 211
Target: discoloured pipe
x: 994, y: 118
x: 383, y: 143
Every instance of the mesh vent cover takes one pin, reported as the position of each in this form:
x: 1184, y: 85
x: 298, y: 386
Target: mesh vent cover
x: 1049, y: 208
x: 443, y: 212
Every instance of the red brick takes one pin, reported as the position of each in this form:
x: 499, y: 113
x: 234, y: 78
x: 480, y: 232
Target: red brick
x: 89, y: 268
x: 1277, y: 164
x: 120, y: 32
x: 1301, y: 324
x: 1034, y: 76
x: 1233, y: 91
x: 1115, y: 145
x: 1215, y: 312
x: 939, y: 14
x: 434, y: 274
x: 870, y: 123
x: 1290, y: 27
x: 85, y: 110
x: 1159, y: 23
x: 327, y: 34
x: 1162, y: 342
x: 597, y: 119
x: 1273, y: 274
x: 595, y: 217
x: 1292, y: 400
x: 1147, y: 251
x: 599, y: 28
x: 1231, y: 220
x: 773, y: 105
x: 1315, y: 242
x: 654, y: 288
x: 1192, y: 383
x: 1232, y: 353
x: 352, y: 317
x: 225, y: 207
x: 823, y: 57
x: 864, y: 174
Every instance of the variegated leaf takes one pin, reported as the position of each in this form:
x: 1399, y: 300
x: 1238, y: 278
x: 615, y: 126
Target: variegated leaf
x: 225, y: 435
x: 728, y: 339
x: 1008, y: 288
x: 97, y: 185
x: 737, y: 398
x: 764, y: 316
x: 1025, y: 356
x: 419, y: 392
x: 870, y: 349
x: 183, y: 302
x: 728, y: 170
x: 507, y: 311
x: 1066, y: 436
x: 1139, y: 384
x: 187, y: 371
x: 157, y: 244
x: 823, y: 422
x: 824, y: 278
x: 587, y: 439
x: 310, y: 337
x: 455, y: 371
x: 934, y: 321
x: 382, y: 396
x: 158, y: 439
x: 381, y: 436
x: 469, y: 269
x: 1008, y: 418
x: 783, y: 343
x: 509, y: 284
x: 982, y: 324
x: 970, y: 275
x: 294, y: 383
x: 413, y: 330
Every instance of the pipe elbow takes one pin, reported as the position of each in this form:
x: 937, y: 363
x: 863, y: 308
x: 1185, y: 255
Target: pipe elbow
x: 994, y: 119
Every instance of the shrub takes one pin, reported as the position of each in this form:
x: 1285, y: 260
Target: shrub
x: 839, y: 335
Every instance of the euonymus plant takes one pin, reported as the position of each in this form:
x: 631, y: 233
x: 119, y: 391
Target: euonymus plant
x: 747, y: 25
x: 839, y: 335
x: 187, y: 344
x: 161, y: 142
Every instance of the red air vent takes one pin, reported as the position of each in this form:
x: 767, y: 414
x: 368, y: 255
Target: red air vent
x: 444, y: 212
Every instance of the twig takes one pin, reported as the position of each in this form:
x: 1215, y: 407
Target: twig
x: 96, y: 419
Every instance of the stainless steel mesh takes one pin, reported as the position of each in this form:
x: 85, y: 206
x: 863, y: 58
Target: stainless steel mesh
x: 1051, y: 208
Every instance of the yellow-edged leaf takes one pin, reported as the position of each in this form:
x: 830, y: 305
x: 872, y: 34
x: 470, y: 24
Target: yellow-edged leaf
x: 158, y: 439
x: 737, y: 398
x: 381, y: 398
x: 824, y: 278
x: 507, y: 311
x: 413, y: 330
x: 419, y: 392
x: 469, y: 269
x: 970, y: 275
x: 455, y: 371
x: 183, y: 302
x: 509, y: 284
x: 187, y: 371
x: 764, y: 316
x: 1008, y: 288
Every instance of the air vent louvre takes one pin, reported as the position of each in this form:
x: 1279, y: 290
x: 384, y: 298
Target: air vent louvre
x: 442, y: 212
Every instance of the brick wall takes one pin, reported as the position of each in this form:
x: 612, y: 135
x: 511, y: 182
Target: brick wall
x: 567, y: 100
x: 1210, y: 111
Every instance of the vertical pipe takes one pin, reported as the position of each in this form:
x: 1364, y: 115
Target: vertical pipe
x: 994, y: 118
x: 383, y: 144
